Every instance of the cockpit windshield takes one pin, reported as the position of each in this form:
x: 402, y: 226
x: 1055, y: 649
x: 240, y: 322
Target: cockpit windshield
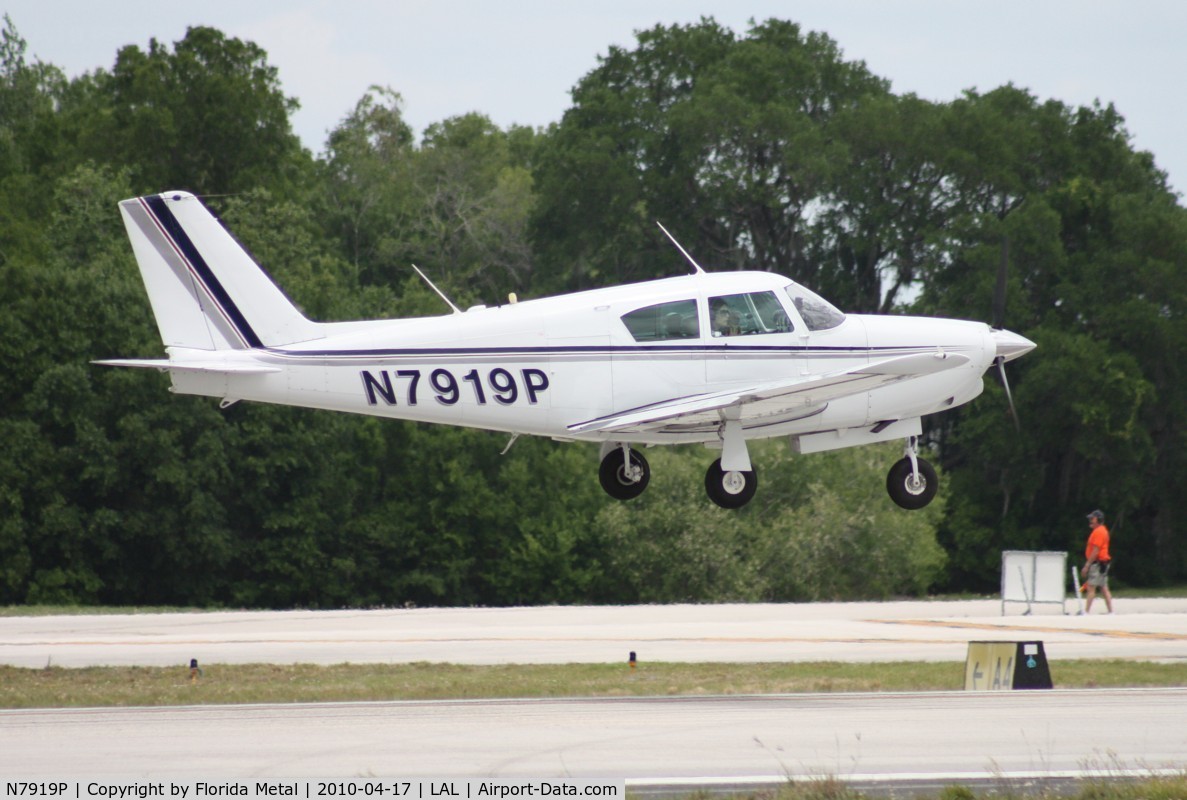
x: 818, y: 313
x: 745, y: 314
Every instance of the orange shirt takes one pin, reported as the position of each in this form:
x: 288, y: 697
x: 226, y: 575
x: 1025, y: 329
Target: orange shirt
x: 1098, y: 538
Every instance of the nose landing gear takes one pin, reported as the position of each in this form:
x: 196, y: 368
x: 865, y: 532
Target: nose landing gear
x: 912, y: 482
x: 730, y: 489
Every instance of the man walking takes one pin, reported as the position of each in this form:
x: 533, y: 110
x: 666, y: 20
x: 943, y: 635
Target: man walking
x: 1097, y: 560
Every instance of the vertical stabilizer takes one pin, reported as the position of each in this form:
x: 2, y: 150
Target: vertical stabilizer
x: 207, y: 292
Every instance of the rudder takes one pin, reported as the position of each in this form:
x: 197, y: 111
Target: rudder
x: 206, y: 291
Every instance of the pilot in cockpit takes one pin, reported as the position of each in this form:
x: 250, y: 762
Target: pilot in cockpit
x: 725, y: 322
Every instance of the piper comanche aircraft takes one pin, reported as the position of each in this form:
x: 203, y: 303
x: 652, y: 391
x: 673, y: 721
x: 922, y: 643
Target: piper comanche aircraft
x: 710, y: 358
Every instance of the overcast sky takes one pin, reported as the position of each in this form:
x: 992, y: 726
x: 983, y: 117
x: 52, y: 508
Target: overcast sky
x: 516, y: 61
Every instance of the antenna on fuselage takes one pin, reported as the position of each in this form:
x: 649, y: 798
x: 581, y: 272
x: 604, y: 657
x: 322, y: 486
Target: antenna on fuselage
x: 681, y: 249
x: 440, y: 293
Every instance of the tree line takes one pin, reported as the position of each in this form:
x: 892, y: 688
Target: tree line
x: 760, y: 150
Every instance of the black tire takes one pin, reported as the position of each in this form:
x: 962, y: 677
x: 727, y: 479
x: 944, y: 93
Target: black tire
x: 904, y: 492
x: 730, y: 489
x: 614, y: 478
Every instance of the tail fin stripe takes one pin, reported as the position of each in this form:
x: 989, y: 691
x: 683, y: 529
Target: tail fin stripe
x: 201, y: 271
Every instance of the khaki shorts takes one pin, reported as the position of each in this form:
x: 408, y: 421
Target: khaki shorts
x: 1098, y: 577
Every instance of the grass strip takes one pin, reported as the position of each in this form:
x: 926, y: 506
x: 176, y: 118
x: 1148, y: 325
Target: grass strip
x: 59, y: 687
x: 1095, y: 788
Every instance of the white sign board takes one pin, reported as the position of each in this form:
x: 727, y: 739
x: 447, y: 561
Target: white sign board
x: 1033, y: 577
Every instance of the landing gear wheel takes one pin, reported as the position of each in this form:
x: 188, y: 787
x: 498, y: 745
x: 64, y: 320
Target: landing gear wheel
x: 908, y: 492
x: 730, y: 489
x: 622, y: 482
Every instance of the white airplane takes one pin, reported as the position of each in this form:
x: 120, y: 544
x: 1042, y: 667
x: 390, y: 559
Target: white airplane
x: 710, y: 358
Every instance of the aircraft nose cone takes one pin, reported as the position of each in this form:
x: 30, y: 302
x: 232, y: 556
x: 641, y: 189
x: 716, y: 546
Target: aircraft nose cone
x: 1010, y: 345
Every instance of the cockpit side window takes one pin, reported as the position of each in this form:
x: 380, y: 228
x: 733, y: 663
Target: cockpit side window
x: 818, y: 314
x: 747, y: 314
x: 660, y: 323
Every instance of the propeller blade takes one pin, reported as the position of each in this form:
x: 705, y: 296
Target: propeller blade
x: 1001, y: 371
x: 999, y: 292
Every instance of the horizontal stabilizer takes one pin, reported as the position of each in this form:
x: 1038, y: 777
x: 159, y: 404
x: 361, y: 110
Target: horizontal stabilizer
x: 165, y: 365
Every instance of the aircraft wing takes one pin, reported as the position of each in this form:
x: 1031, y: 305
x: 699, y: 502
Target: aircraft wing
x: 774, y: 399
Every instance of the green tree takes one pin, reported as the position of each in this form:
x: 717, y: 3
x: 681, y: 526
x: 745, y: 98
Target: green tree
x: 765, y: 150
x: 92, y: 482
x: 821, y: 529
x: 729, y: 140
x: 881, y: 223
x: 1093, y: 288
x: 29, y: 133
x: 113, y: 492
x: 457, y: 205
x: 367, y: 174
x: 208, y: 116
x: 475, y: 199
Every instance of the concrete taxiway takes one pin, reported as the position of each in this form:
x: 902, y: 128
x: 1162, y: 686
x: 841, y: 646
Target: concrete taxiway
x: 859, y: 632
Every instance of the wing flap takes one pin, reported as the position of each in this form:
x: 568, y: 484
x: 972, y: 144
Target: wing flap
x: 775, y: 397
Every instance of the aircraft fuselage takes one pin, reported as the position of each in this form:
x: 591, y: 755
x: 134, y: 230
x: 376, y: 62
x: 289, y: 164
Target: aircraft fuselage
x: 539, y: 366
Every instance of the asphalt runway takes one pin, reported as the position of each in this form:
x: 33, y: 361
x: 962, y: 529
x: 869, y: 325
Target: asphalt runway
x: 882, y: 739
x: 648, y: 742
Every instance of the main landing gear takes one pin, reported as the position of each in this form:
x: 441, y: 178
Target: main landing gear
x: 624, y: 473
x: 912, y: 482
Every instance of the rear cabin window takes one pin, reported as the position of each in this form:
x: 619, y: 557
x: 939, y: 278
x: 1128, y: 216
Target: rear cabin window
x: 664, y: 322
x: 747, y: 314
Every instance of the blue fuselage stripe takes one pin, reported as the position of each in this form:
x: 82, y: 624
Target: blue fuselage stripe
x: 609, y: 350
